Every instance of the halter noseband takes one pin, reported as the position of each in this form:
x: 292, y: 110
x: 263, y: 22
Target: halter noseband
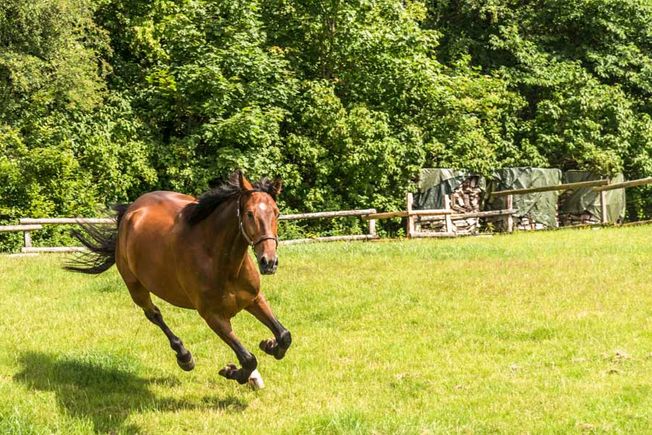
x: 242, y: 230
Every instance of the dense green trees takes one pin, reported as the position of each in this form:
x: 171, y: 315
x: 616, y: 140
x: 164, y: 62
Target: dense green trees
x: 103, y: 99
x: 584, y: 68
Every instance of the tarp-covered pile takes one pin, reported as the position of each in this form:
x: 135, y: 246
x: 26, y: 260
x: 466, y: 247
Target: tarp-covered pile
x: 534, y: 211
x: 583, y: 206
x: 464, y: 191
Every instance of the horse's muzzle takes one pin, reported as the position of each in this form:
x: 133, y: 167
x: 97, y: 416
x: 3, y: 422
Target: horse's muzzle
x: 268, y: 266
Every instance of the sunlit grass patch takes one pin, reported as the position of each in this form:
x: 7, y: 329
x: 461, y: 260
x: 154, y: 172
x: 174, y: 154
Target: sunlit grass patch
x: 545, y: 332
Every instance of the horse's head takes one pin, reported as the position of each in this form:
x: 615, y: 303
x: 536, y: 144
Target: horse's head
x: 258, y: 215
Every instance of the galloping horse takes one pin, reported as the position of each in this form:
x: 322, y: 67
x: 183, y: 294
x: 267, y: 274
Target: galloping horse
x: 193, y: 253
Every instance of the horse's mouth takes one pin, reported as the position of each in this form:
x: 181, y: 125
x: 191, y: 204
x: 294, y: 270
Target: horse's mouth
x: 267, y: 267
x: 267, y: 270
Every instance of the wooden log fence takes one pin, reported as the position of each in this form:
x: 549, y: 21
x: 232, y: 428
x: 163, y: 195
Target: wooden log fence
x: 595, y: 184
x: 446, y: 213
x: 27, y: 225
x: 601, y: 186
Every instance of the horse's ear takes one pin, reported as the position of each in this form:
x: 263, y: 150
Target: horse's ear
x: 244, y: 183
x: 277, y: 187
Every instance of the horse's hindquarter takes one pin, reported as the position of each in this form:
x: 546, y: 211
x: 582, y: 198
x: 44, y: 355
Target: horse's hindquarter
x: 146, y: 249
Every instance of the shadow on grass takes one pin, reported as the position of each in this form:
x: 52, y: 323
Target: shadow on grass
x: 105, y: 390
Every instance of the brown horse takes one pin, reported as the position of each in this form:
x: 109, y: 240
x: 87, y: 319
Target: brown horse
x: 193, y: 253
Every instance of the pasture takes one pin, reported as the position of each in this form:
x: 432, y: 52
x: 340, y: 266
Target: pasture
x: 544, y: 332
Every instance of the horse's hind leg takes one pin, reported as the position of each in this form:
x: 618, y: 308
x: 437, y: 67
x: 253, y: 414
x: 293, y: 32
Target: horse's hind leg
x: 142, y: 298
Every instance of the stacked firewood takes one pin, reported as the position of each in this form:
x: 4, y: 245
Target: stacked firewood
x: 525, y: 223
x: 464, y: 199
x: 570, y: 219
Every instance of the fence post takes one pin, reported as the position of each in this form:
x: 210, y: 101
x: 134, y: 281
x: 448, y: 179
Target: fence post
x: 372, y: 227
x: 603, y: 206
x: 410, y: 218
x: 27, y: 239
x: 448, y: 220
x: 510, y: 217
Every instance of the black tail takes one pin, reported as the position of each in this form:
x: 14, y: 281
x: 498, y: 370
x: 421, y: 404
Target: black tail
x: 101, y: 243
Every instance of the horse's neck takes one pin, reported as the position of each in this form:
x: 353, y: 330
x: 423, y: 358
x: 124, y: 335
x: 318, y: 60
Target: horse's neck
x: 222, y: 232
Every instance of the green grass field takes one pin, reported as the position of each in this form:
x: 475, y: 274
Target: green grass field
x: 541, y: 333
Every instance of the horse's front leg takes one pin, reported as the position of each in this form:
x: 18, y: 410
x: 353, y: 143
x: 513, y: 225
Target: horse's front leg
x: 222, y: 327
x: 278, y: 345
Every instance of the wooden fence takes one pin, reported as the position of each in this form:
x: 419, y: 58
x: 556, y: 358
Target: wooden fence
x: 446, y: 213
x: 600, y: 186
x: 449, y: 215
x: 561, y: 188
x: 27, y: 225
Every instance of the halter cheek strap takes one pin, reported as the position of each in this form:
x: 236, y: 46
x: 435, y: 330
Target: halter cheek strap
x: 244, y: 233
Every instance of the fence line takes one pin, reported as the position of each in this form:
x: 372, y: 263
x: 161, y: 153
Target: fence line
x: 27, y: 225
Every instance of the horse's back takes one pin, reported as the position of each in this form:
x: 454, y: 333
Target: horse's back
x: 153, y: 215
x: 145, y: 248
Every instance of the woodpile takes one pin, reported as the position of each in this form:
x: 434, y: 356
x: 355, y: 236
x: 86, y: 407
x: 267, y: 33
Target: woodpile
x: 571, y: 219
x: 525, y: 223
x: 522, y: 223
x: 576, y: 217
x: 465, y: 198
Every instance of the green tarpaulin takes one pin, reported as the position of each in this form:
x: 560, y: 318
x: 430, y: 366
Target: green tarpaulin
x: 434, y: 183
x: 587, y: 200
x: 538, y: 207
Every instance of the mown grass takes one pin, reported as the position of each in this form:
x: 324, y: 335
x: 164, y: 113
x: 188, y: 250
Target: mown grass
x: 541, y: 333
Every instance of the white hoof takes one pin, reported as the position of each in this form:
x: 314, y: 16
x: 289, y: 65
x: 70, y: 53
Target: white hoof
x: 256, y: 381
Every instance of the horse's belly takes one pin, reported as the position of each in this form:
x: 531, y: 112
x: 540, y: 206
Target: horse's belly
x: 158, y: 276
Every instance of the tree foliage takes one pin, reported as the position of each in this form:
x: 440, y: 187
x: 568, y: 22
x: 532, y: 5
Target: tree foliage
x: 102, y: 100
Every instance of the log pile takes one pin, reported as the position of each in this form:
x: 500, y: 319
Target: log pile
x: 464, y: 199
x: 525, y: 223
x: 571, y: 219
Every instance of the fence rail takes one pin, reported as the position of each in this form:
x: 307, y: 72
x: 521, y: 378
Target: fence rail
x: 552, y: 188
x: 326, y: 214
x: 17, y: 228
x: 66, y: 221
x: 624, y: 184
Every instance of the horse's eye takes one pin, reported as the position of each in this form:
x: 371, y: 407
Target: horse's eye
x: 250, y: 214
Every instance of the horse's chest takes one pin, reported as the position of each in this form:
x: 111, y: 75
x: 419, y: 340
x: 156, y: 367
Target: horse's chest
x: 238, y: 297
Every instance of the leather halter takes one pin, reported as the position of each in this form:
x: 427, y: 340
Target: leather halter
x: 242, y: 230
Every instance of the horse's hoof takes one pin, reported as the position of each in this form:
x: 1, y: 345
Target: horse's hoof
x: 186, y: 362
x: 271, y: 347
x: 268, y: 346
x: 256, y: 381
x: 229, y: 371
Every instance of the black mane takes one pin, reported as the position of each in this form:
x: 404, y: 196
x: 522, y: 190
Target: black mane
x: 210, y: 200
